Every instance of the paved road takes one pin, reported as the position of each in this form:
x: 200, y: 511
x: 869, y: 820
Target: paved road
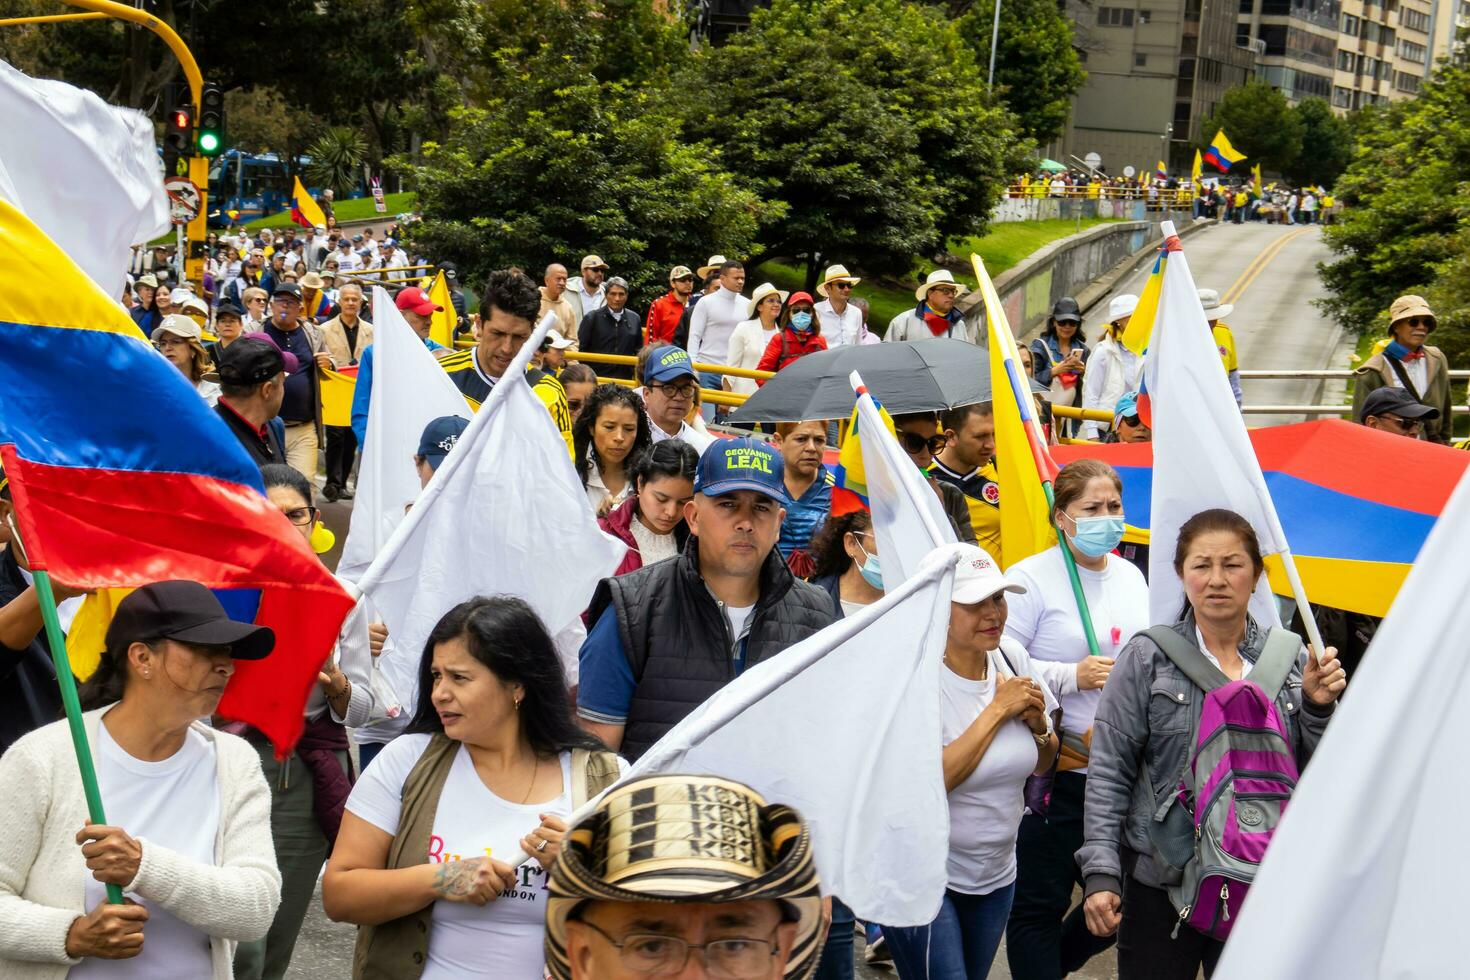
x: 1270, y: 273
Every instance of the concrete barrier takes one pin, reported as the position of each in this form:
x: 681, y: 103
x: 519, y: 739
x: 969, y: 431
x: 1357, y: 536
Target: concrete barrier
x: 1048, y: 208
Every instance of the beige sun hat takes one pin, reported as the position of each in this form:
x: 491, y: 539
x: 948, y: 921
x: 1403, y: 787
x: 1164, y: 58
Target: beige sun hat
x: 713, y: 265
x: 939, y: 277
x: 761, y: 292
x: 835, y: 273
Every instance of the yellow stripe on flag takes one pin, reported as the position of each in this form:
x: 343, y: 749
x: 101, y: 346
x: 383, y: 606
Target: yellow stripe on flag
x: 441, y: 329
x: 87, y: 638
x: 1025, y: 518
x: 309, y: 209
x: 337, y: 392
x: 1141, y: 324
x: 1199, y: 166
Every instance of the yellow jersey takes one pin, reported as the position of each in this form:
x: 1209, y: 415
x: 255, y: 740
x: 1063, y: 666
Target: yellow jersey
x: 1225, y: 344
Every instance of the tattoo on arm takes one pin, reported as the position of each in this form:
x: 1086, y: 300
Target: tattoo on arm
x: 456, y: 879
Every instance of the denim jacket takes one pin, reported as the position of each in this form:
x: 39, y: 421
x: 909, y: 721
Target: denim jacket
x: 1148, y: 712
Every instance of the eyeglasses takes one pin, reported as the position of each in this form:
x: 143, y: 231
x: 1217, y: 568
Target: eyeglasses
x: 914, y: 444
x: 575, y: 404
x: 685, y: 390
x: 1405, y: 426
x: 301, y: 516
x: 735, y: 958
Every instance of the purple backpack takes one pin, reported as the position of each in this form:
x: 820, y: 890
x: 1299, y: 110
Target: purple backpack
x: 1236, y: 784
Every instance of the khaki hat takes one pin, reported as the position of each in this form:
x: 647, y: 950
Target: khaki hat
x: 179, y: 326
x: 1407, y: 306
x: 937, y: 278
x: 1214, y: 309
x: 593, y: 262
x: 673, y: 839
x: 712, y: 266
x: 312, y: 281
x: 680, y: 272
x: 835, y: 273
x: 761, y: 292
x: 150, y: 280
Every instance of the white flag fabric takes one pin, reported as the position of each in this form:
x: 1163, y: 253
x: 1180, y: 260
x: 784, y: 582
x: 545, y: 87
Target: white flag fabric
x: 908, y: 520
x: 1203, y: 456
x: 844, y: 726
x: 410, y: 390
x: 505, y: 514
x: 87, y: 173
x: 1365, y: 876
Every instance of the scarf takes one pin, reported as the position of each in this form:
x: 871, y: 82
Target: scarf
x: 1399, y: 352
x: 938, y: 325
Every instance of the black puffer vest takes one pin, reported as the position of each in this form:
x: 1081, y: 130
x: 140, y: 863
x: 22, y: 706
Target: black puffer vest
x: 678, y: 639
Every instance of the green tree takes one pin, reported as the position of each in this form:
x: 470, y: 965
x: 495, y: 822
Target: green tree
x: 336, y: 158
x: 1259, y: 123
x: 1327, y: 145
x: 562, y: 165
x: 1037, y: 70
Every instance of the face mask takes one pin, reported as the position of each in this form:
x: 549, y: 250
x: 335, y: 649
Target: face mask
x: 1096, y: 536
x: 801, y: 322
x: 871, y: 570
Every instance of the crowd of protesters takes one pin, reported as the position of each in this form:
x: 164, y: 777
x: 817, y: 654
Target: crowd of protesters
x: 734, y: 555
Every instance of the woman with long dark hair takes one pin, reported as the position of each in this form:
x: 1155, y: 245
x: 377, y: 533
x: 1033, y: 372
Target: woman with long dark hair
x: 651, y: 521
x: 845, y: 552
x: 492, y: 765
x: 611, y: 431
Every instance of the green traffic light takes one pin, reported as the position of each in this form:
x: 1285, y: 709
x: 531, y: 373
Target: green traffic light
x: 208, y: 143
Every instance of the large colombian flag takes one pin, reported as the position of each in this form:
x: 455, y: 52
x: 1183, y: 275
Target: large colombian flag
x: 1222, y: 155
x: 1355, y: 528
x: 304, y: 211
x: 122, y: 475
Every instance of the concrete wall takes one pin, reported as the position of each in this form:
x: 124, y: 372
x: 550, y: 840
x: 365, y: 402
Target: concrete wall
x: 1043, y: 208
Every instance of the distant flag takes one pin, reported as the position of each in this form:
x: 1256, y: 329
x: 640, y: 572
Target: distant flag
x: 1196, y: 169
x: 1162, y: 171
x: 337, y: 388
x: 1256, y: 180
x: 441, y: 325
x: 305, y: 211
x: 1221, y: 155
x: 118, y: 499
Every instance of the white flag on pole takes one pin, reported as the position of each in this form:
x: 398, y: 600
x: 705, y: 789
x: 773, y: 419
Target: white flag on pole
x: 410, y: 390
x: 505, y: 514
x: 908, y: 520
x: 844, y: 726
x: 87, y: 173
x: 1203, y: 456
x: 1365, y: 877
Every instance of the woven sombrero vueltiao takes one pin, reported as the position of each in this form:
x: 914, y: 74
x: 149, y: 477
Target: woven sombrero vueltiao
x: 678, y: 839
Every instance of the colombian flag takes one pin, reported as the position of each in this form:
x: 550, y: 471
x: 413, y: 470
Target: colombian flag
x: 1221, y: 155
x: 132, y: 479
x: 304, y: 211
x: 1162, y: 171
x: 850, y: 479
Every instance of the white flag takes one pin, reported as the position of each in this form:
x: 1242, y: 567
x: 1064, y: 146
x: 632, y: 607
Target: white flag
x: 844, y: 727
x: 87, y: 173
x: 1203, y: 456
x: 505, y: 514
x: 410, y: 390
x: 908, y: 520
x: 1365, y: 877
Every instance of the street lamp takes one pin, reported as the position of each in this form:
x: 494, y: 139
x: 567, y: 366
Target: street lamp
x: 994, y: 42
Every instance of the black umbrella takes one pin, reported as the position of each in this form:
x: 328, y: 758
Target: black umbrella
x: 911, y: 376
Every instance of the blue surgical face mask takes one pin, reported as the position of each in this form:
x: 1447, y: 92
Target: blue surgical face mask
x: 1096, y: 536
x: 871, y: 570
x: 801, y: 322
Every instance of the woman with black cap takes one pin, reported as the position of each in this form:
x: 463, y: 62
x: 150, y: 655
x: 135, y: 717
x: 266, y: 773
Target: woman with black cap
x: 189, y: 837
x: 1060, y: 356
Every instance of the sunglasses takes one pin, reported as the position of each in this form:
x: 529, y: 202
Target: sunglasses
x: 1419, y: 321
x: 575, y: 404
x: 840, y: 285
x: 1403, y: 425
x: 1132, y: 420
x: 915, y: 444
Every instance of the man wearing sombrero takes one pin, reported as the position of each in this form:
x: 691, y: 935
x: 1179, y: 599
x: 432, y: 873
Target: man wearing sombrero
x: 673, y: 872
x: 935, y: 316
x: 841, y: 321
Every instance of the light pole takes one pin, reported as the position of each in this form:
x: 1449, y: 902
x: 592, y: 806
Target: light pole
x: 1168, y: 134
x: 994, y: 42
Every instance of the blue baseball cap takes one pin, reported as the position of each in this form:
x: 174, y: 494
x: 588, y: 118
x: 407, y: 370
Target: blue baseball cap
x: 667, y: 363
x: 741, y: 464
x: 1126, y: 406
x: 439, y: 437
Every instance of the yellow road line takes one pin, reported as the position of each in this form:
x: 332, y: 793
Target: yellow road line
x: 1258, y: 265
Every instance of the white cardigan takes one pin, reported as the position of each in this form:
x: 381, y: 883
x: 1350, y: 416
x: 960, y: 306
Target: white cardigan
x: 1112, y: 371
x: 43, y: 873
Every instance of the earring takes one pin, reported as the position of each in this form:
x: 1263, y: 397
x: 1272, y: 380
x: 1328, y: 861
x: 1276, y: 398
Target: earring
x: 147, y: 674
x: 518, y: 704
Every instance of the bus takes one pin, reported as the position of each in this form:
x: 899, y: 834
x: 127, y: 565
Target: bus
x: 254, y: 185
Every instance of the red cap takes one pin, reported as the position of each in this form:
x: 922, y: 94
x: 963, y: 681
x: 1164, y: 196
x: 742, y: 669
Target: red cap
x: 801, y: 298
x: 414, y: 298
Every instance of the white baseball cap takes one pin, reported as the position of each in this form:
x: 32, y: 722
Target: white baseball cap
x: 977, y: 577
x: 556, y: 341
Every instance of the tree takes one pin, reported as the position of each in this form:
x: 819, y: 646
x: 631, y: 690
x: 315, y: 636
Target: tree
x: 1259, y: 123
x: 336, y: 157
x: 1037, y: 70
x: 260, y: 120
x: 1327, y: 145
x: 561, y: 165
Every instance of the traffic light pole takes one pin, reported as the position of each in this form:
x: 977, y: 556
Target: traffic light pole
x: 198, y: 166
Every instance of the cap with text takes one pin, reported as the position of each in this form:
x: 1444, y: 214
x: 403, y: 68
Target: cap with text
x: 667, y: 363
x: 729, y: 465
x: 977, y: 577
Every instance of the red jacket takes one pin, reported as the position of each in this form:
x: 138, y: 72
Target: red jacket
x: 787, y: 346
x: 663, y: 318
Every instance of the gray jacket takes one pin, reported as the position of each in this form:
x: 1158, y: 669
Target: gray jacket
x: 1141, y: 741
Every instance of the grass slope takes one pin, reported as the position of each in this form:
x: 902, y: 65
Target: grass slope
x: 355, y: 209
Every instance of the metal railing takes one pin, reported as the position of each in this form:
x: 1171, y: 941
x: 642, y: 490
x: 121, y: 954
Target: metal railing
x: 1325, y: 375
x: 714, y: 396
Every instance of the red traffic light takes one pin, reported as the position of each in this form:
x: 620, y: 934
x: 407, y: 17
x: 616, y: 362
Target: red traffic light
x: 180, y: 119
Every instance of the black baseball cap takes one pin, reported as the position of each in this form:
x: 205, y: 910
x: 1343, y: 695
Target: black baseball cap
x: 250, y: 361
x: 1385, y: 400
x: 287, y: 289
x: 229, y: 308
x: 189, y: 613
x: 1066, y: 308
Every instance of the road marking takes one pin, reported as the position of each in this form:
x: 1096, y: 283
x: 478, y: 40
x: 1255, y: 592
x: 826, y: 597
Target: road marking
x: 1258, y: 265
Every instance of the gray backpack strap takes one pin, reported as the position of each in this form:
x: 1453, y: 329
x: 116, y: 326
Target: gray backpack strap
x: 1183, y: 654
x: 1278, y: 656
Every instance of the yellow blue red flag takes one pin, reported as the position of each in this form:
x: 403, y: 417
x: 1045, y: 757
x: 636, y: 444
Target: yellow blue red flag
x: 1221, y: 155
x: 304, y: 211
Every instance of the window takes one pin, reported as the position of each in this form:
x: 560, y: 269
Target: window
x: 1410, y: 51
x: 1140, y: 61
x: 1345, y: 61
x: 1350, y: 25
x: 1414, y: 20
x: 1114, y: 16
x: 1405, y: 82
x: 1342, y: 98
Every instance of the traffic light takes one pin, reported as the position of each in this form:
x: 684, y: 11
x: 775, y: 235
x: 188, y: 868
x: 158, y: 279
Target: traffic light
x: 210, y: 138
x: 178, y: 139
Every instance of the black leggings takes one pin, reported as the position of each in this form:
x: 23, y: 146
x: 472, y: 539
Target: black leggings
x: 1147, y: 948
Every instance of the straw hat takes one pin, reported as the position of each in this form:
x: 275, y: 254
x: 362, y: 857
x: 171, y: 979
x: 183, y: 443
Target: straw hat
x: 686, y: 839
x: 712, y: 266
x: 1214, y: 309
x: 939, y: 277
x: 761, y: 292
x: 312, y: 280
x: 835, y: 273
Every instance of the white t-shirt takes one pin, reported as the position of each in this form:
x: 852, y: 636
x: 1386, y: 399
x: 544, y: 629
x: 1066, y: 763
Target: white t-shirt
x: 985, y: 809
x: 738, y: 617
x: 1046, y: 623
x: 174, y: 803
x: 503, y: 939
x: 687, y: 433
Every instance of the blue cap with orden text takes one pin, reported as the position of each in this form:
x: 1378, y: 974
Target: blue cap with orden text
x: 666, y: 364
